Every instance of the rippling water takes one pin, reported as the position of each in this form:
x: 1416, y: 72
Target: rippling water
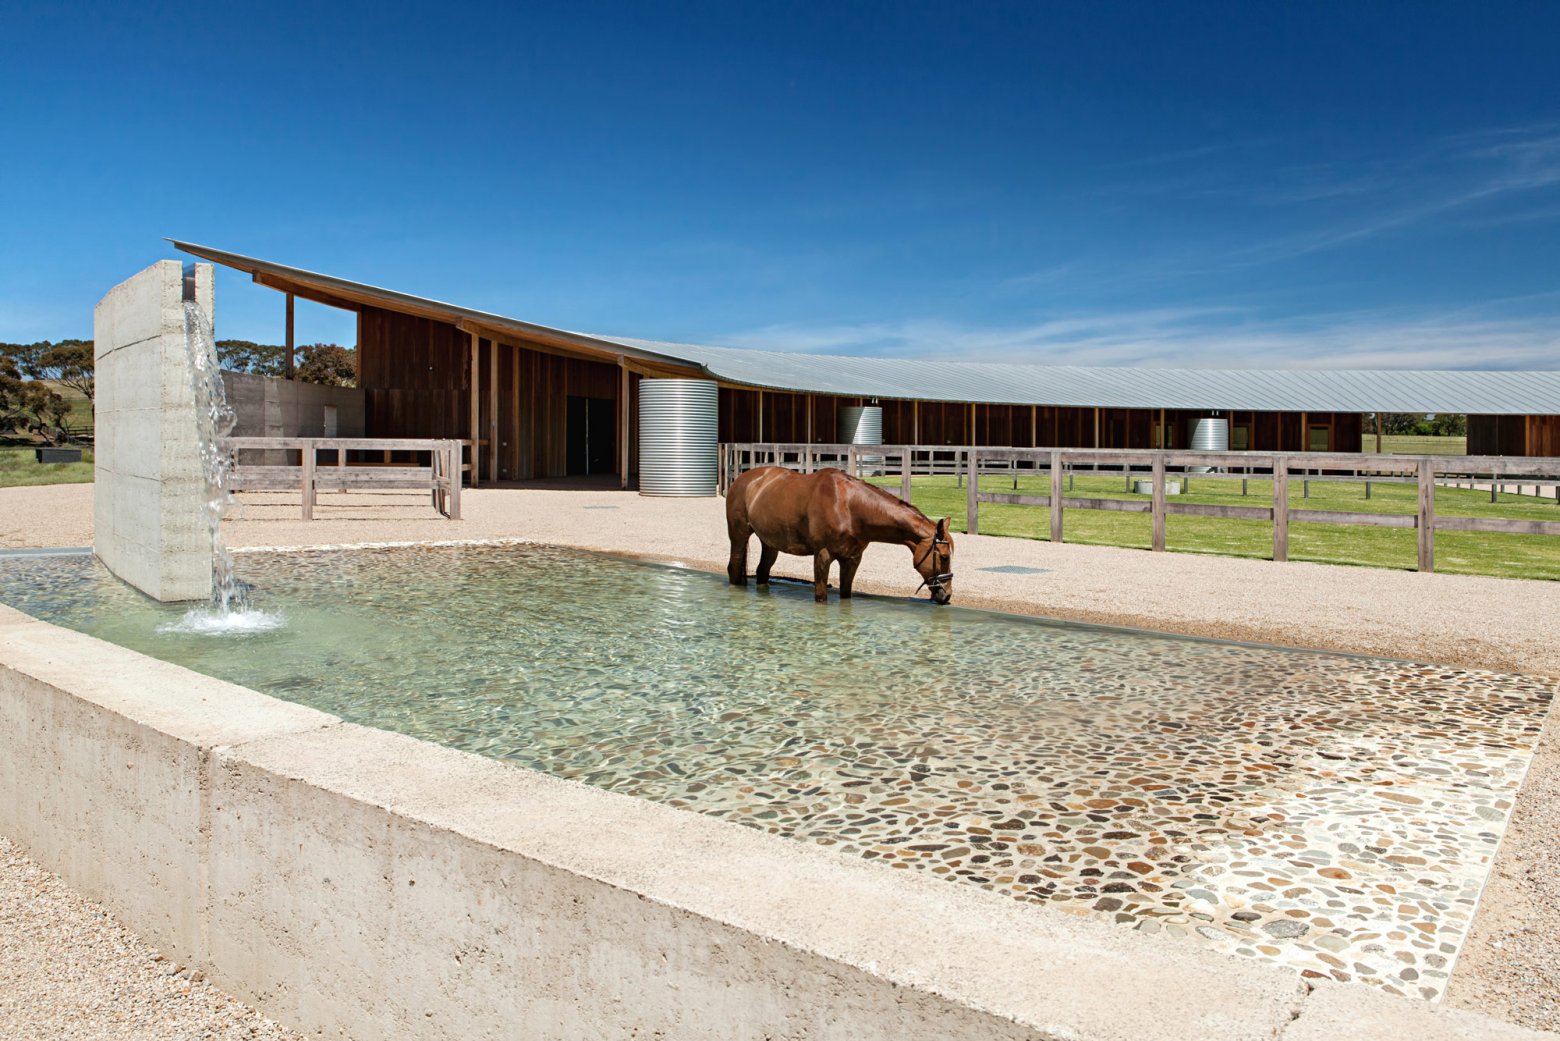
x: 1333, y: 813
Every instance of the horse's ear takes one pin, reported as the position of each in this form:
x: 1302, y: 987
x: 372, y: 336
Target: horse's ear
x: 942, y: 528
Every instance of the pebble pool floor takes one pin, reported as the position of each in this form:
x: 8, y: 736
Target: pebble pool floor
x: 1334, y: 814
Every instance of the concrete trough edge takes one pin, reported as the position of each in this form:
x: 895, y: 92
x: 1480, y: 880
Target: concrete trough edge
x: 363, y: 884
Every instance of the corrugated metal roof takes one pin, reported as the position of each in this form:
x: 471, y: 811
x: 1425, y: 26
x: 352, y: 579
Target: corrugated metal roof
x: 1262, y: 390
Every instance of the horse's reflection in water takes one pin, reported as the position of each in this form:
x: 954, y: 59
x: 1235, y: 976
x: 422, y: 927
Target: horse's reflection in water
x: 830, y: 516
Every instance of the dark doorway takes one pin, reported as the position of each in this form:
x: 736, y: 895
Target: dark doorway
x: 591, y: 433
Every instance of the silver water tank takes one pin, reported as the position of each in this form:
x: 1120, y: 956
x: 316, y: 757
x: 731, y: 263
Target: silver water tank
x: 1210, y: 434
x: 863, y: 425
x: 679, y: 432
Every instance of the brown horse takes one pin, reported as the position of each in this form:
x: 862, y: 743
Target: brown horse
x: 830, y: 516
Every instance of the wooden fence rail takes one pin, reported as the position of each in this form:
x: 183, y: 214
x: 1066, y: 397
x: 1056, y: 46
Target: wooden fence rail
x: 970, y: 463
x: 440, y: 475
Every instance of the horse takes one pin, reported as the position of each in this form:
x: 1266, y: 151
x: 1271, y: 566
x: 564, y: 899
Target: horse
x: 831, y: 516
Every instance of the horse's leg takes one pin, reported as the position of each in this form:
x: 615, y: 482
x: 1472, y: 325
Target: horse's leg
x: 848, y: 566
x: 821, y: 562
x: 736, y: 571
x: 766, y: 560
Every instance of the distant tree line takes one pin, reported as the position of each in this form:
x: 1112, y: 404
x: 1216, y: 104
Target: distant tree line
x: 30, y: 374
x: 326, y: 363
x: 1441, y: 424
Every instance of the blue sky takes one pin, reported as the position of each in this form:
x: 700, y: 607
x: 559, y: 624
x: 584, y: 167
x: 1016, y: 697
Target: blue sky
x: 1362, y: 185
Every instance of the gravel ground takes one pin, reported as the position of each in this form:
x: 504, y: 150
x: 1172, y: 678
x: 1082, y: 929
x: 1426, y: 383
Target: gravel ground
x: 69, y: 970
x: 1510, y: 967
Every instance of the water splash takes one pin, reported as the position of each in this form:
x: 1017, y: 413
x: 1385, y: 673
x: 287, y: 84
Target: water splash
x: 212, y: 621
x: 229, y: 610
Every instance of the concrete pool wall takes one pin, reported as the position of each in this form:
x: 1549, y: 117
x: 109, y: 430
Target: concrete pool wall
x: 356, y: 883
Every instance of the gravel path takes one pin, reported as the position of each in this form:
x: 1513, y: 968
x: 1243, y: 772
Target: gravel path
x: 69, y: 970
x: 1510, y: 967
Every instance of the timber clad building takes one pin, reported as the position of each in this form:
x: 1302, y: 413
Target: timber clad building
x: 539, y: 402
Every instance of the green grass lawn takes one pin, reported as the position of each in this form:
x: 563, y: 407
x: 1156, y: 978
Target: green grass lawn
x: 1414, y: 444
x: 80, y: 418
x: 19, y: 467
x: 1477, y: 553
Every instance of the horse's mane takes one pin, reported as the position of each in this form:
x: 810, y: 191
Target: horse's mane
x: 888, y: 498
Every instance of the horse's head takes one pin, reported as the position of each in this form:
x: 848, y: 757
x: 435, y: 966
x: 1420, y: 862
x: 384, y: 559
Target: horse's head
x: 934, y: 561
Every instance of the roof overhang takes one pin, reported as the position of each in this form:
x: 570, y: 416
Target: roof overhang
x: 353, y: 296
x: 1259, y: 390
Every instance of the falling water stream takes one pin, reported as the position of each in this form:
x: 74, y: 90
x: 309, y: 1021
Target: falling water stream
x: 229, y: 610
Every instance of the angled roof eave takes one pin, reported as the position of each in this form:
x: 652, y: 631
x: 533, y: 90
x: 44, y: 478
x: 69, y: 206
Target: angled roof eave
x: 335, y: 289
x: 1475, y: 392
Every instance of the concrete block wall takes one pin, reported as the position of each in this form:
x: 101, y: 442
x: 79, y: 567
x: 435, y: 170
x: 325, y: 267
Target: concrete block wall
x: 268, y: 407
x: 150, y: 497
x: 359, y: 884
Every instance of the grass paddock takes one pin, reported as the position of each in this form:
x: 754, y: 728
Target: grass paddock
x: 19, y: 467
x: 1474, y: 553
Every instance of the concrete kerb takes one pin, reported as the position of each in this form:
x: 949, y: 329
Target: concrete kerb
x: 369, y: 885
x: 762, y: 935
x: 102, y: 760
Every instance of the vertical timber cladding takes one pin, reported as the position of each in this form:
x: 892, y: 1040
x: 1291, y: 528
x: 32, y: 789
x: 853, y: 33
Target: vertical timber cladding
x: 1514, y: 435
x: 784, y: 416
x: 905, y: 421
x: 1543, y: 435
x: 546, y: 382
x: 415, y: 374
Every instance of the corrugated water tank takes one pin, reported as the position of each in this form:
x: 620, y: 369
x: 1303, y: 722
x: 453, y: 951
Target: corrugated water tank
x: 679, y: 431
x: 1210, y: 434
x: 861, y: 425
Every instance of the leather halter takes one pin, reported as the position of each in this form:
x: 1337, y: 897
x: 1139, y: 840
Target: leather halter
x: 935, y: 584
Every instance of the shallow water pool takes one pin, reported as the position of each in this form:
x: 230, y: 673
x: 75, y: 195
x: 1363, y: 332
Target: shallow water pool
x: 1333, y: 813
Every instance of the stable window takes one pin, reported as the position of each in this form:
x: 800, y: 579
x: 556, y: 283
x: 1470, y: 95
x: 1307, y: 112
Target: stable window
x: 1240, y: 438
x: 1318, y: 439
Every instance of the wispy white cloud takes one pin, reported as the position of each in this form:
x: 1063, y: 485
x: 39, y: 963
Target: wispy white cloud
x: 1312, y: 207
x: 1196, y: 337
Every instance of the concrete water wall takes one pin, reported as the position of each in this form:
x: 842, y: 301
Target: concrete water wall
x: 267, y: 407
x: 150, y: 494
x: 358, y: 884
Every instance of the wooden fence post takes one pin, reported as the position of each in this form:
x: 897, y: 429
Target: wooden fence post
x: 1056, y: 495
x: 1158, y: 541
x: 904, y: 475
x: 1280, y: 508
x: 972, y: 504
x: 1427, y: 515
x: 308, y: 480
x: 452, y: 462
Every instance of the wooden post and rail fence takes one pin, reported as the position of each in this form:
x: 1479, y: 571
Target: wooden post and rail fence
x: 970, y: 463
x: 440, y: 473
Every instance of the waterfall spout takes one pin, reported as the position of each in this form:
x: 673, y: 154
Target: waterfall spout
x: 229, y: 610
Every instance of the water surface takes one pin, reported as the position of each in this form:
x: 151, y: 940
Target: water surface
x: 1333, y: 813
